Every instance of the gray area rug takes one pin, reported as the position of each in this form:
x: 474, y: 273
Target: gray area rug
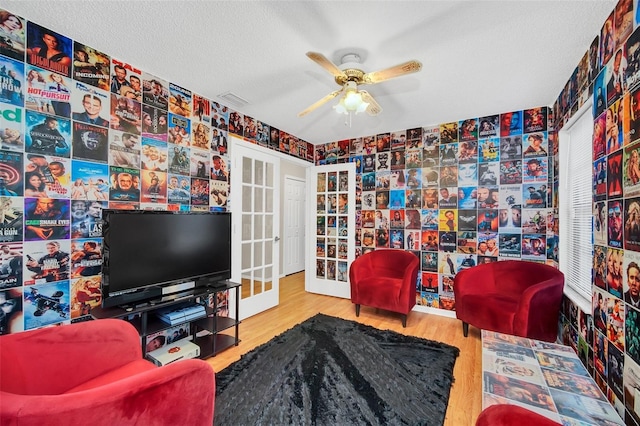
x: 330, y: 371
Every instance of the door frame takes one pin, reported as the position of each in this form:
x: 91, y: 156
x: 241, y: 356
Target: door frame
x: 235, y: 191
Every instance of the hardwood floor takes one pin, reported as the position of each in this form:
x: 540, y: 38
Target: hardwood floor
x: 296, y: 305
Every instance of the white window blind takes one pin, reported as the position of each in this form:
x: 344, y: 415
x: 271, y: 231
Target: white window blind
x: 576, y: 236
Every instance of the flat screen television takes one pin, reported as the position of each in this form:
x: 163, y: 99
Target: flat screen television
x: 146, y: 252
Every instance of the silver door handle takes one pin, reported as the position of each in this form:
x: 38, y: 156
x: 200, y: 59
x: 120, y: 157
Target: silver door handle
x: 277, y: 239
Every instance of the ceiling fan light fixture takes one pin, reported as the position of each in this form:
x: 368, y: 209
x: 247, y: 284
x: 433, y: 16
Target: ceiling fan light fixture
x: 352, y: 101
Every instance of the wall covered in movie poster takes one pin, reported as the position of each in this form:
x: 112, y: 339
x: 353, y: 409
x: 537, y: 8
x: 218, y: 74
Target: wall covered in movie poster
x: 456, y: 194
x: 81, y: 131
x: 607, y: 338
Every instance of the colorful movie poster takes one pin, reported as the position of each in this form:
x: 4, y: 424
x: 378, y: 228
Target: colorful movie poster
x: 534, y: 221
x: 633, y: 60
x: 631, y: 177
x: 219, y: 141
x: 46, y: 219
x: 180, y: 100
x: 199, y: 191
x: 468, y: 130
x: 489, y: 150
x: 219, y: 191
x: 179, y: 130
x: 90, y: 105
x: 11, y: 82
x: 535, y: 195
x: 154, y: 123
x: 124, y: 149
x: 86, y: 294
x: 90, y: 142
x: 10, y: 264
x: 50, y: 178
x: 250, y: 130
x: 11, y: 173
x: 11, y: 128
x: 179, y: 190
x: 510, y: 245
x: 510, y: 172
x: 47, y: 135
x: 11, y: 219
x: 46, y: 261
x: 467, y: 152
x: 449, y: 132
x: 511, y: 147
x: 534, y: 246
x: 467, y: 220
x: 126, y: 114
x: 154, y: 155
x: 46, y: 303
x: 614, y: 175
x: 200, y: 163
x: 200, y: 136
x: 125, y: 184
x: 220, y: 118
x: 632, y: 224
x: 155, y: 91
x: 201, y: 110
x: 90, y: 181
x: 125, y: 80
x: 510, y: 123
x: 537, y: 170
x: 489, y: 126
x: 49, y: 50
x: 86, y: 218
x: 86, y: 257
x: 12, y: 35
x: 154, y: 187
x: 91, y: 66
x: 535, y: 120
x: 48, y: 92
x: 179, y: 160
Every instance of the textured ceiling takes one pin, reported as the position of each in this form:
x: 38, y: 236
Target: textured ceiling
x: 479, y: 57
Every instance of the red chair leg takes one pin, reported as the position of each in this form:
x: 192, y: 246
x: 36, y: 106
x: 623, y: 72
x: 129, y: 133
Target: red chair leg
x: 465, y: 328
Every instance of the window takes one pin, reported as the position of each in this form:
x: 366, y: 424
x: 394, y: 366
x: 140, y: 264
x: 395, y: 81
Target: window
x: 575, y: 198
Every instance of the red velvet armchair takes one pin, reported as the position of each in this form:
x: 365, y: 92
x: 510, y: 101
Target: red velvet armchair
x: 515, y: 297
x: 511, y: 415
x: 385, y: 279
x: 93, y: 373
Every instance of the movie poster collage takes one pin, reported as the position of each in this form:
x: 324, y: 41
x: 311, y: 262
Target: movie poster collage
x: 457, y: 194
x: 81, y: 131
x: 332, y: 223
x: 546, y: 378
x: 607, y: 337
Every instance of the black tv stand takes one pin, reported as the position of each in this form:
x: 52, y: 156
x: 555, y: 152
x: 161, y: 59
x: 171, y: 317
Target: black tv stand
x: 216, y: 327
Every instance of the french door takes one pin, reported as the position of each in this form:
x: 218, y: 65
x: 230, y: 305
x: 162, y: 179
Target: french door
x: 329, y: 254
x: 255, y: 196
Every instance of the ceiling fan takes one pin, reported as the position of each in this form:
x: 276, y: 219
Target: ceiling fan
x: 355, y: 100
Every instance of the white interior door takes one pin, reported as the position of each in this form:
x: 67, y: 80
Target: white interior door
x: 256, y: 218
x: 294, y: 221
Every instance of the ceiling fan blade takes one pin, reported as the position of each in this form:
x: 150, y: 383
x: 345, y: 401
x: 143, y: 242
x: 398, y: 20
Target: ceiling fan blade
x: 374, y: 108
x: 393, y: 72
x: 320, y: 102
x: 322, y: 60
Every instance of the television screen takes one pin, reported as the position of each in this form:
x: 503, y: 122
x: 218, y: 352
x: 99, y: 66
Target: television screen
x: 151, y: 249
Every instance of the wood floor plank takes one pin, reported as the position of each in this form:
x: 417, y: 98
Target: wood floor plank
x: 296, y: 305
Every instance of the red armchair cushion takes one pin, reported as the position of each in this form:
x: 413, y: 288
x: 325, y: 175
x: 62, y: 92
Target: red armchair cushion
x: 385, y: 279
x: 514, y: 297
x: 93, y: 373
x: 511, y: 415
